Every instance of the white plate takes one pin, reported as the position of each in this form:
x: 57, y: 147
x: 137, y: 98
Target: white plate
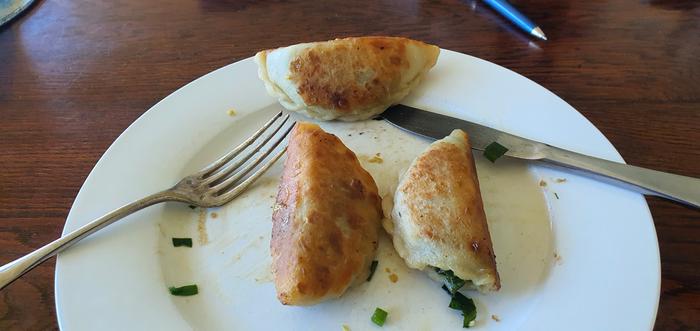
x: 573, y: 255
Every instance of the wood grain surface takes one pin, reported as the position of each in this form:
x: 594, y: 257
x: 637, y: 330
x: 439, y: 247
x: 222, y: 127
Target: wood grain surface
x: 75, y: 74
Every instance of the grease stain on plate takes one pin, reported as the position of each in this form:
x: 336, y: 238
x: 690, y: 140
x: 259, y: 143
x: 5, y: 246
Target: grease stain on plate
x: 236, y: 262
x: 202, y: 226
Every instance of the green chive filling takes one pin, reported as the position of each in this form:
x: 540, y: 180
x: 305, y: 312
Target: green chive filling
x: 379, y: 316
x: 184, y: 291
x: 372, y: 269
x: 494, y: 150
x: 177, y: 242
x: 466, y: 306
x: 459, y: 301
x: 452, y: 282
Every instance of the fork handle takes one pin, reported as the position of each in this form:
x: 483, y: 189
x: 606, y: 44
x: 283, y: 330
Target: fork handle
x: 13, y: 270
x: 678, y: 188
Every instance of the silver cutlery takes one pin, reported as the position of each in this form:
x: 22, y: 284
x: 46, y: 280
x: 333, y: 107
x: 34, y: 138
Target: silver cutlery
x: 215, y: 185
x: 679, y: 188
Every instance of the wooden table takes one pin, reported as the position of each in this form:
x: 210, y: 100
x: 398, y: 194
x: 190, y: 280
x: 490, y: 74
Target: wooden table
x: 75, y: 74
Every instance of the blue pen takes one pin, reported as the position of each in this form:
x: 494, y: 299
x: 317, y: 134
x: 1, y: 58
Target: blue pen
x: 515, y: 16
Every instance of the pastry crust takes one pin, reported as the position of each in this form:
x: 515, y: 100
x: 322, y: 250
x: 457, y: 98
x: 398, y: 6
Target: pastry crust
x: 348, y: 79
x: 326, y: 219
x: 438, y: 215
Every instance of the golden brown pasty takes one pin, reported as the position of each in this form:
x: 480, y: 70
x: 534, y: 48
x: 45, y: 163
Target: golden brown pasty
x: 438, y: 220
x: 347, y: 79
x: 326, y: 219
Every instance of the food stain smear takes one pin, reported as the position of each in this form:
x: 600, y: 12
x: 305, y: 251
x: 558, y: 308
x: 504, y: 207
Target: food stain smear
x: 377, y: 158
x: 202, y: 226
x: 264, y: 275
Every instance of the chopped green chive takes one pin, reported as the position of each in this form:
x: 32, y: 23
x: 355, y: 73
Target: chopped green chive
x: 463, y: 304
x: 184, y: 291
x: 446, y: 290
x: 452, y: 282
x: 556, y: 195
x: 379, y: 316
x: 372, y: 269
x: 192, y: 206
x: 177, y: 242
x: 467, y: 306
x: 494, y: 150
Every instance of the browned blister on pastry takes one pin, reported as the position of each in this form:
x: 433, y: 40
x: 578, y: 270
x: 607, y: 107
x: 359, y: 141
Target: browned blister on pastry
x: 326, y: 219
x: 438, y: 220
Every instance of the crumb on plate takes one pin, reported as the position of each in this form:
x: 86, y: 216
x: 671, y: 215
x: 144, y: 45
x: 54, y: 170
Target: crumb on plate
x: 394, y: 278
x: 495, y: 318
x: 231, y: 112
x: 557, y: 258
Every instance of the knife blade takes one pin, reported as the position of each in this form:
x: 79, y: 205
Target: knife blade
x: 435, y: 126
x: 431, y: 125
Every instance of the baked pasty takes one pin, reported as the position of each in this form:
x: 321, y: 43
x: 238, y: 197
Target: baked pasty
x: 438, y: 221
x: 347, y: 79
x: 326, y: 219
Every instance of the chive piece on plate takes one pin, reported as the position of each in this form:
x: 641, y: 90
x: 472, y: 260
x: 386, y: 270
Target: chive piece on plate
x: 452, y: 282
x: 177, y: 242
x: 463, y: 304
x: 466, y: 306
x: 379, y: 316
x: 184, y: 291
x: 372, y: 269
x: 444, y: 287
x: 494, y: 150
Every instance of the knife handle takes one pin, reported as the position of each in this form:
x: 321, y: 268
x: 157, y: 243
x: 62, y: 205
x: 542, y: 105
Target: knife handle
x: 679, y: 188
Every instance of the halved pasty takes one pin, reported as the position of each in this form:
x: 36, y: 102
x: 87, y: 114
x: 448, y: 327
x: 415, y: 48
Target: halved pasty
x: 347, y: 79
x: 438, y: 221
x: 326, y: 219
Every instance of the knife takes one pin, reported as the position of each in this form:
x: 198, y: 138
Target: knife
x: 433, y: 126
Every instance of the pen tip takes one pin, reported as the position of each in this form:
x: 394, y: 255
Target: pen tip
x: 537, y: 32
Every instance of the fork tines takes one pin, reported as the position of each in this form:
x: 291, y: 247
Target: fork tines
x: 227, y: 176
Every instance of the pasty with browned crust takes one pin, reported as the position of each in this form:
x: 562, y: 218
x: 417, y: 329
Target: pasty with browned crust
x: 326, y: 219
x: 347, y: 79
x: 438, y: 220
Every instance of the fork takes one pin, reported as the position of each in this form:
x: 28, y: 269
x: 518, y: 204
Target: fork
x: 215, y: 185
